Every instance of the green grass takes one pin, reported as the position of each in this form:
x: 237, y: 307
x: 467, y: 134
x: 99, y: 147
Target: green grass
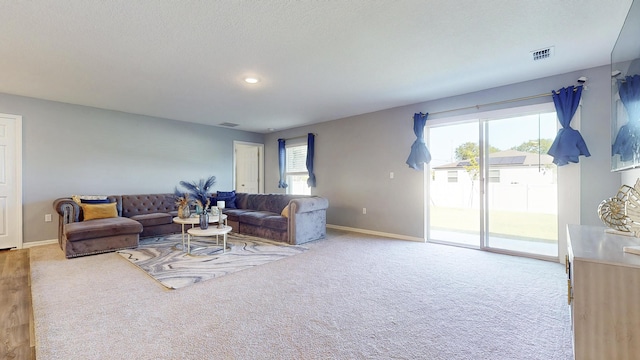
x: 516, y: 225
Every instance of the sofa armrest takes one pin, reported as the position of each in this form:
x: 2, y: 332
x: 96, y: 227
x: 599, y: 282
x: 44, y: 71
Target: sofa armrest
x: 307, y: 219
x: 308, y: 204
x: 68, y: 210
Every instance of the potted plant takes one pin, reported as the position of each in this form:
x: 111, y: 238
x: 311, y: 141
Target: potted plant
x: 199, y: 191
x: 183, y: 202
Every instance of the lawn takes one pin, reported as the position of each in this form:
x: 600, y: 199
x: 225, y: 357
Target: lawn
x: 516, y: 225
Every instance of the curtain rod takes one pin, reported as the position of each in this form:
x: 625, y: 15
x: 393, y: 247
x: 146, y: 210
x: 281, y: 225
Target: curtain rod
x: 499, y: 102
x: 299, y: 137
x: 493, y: 103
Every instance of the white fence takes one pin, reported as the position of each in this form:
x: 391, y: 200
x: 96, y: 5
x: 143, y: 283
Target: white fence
x: 537, y: 198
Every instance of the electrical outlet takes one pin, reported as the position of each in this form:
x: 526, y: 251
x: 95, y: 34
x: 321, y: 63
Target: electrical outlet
x: 391, y: 175
x: 47, y: 217
x: 364, y: 211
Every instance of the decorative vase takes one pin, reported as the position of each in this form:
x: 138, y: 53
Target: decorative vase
x: 184, y: 212
x: 204, y: 220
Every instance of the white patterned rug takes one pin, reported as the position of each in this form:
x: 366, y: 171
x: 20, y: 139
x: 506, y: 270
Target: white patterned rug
x: 163, y: 259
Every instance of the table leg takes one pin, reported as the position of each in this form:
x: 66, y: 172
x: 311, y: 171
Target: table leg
x: 182, y: 237
x: 188, y: 243
x: 224, y: 243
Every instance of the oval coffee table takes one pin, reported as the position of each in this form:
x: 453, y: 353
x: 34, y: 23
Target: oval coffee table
x: 211, y: 231
x: 195, y: 220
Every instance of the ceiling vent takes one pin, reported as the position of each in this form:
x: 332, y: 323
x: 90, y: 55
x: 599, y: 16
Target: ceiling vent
x: 542, y: 53
x: 228, y: 124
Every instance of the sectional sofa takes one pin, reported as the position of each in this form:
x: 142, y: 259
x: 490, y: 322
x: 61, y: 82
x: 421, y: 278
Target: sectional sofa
x: 118, y: 221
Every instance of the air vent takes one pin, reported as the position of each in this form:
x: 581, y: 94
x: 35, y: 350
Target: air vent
x: 228, y: 124
x: 542, y: 53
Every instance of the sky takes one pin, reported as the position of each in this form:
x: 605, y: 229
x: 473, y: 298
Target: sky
x: 503, y: 134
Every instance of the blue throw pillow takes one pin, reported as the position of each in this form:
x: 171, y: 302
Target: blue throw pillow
x: 95, y: 201
x: 229, y: 198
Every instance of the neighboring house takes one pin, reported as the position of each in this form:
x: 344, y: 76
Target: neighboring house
x: 517, y: 180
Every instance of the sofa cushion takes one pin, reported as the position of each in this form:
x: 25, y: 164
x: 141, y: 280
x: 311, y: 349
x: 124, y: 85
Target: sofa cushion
x: 147, y: 204
x: 254, y: 217
x: 234, y: 214
x: 266, y: 202
x: 92, y: 229
x: 99, y: 211
x: 153, y: 219
x: 229, y: 198
x: 276, y: 222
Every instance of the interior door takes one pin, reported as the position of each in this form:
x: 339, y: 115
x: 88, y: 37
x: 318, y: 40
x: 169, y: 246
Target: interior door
x: 248, y: 168
x: 10, y: 181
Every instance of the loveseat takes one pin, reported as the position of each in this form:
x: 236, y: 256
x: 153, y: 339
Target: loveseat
x: 136, y: 216
x: 294, y: 219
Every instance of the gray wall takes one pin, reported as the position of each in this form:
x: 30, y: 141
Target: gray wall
x: 355, y: 155
x: 70, y: 149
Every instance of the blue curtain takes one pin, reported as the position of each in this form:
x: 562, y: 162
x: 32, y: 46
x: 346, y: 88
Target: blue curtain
x: 569, y: 144
x: 627, y: 143
x: 419, y: 153
x: 311, y: 140
x: 282, y: 155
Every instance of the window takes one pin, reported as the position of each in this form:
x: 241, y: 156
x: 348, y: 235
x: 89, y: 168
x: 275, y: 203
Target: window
x: 452, y: 176
x: 494, y: 175
x: 296, y: 173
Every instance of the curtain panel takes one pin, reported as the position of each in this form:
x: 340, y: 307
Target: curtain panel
x: 627, y: 142
x: 282, y: 155
x: 311, y: 140
x: 419, y: 154
x: 568, y: 145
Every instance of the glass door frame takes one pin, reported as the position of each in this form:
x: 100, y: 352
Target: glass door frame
x: 569, y: 186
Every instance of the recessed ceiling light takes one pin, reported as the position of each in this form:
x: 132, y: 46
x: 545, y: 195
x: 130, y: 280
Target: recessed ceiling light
x: 251, y: 80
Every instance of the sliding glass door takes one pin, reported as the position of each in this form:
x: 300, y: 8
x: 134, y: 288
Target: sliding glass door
x: 492, y: 185
x: 521, y: 194
x: 454, y: 204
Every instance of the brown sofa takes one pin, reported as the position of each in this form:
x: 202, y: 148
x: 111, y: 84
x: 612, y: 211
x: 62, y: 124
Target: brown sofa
x: 152, y: 214
x: 261, y: 215
x: 138, y: 216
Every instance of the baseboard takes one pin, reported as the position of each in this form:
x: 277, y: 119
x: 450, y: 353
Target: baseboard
x: 376, y: 233
x: 39, y: 243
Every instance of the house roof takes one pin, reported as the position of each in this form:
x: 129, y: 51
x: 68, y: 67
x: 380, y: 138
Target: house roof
x: 506, y: 158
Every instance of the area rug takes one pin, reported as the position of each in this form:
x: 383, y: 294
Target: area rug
x: 164, y: 260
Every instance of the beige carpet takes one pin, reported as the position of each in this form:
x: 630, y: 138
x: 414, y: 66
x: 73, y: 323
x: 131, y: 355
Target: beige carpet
x: 347, y: 297
x: 163, y: 259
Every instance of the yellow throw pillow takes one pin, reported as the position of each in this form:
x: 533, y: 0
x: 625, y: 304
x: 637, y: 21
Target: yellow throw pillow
x: 285, y: 211
x: 99, y: 211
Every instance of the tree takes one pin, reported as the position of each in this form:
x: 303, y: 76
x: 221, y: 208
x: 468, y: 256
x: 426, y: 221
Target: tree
x: 533, y: 146
x: 471, y: 150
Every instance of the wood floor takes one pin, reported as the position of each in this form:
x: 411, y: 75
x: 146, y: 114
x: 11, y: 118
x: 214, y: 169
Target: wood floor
x: 17, y: 340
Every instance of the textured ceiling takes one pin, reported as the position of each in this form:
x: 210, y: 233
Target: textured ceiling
x: 317, y: 60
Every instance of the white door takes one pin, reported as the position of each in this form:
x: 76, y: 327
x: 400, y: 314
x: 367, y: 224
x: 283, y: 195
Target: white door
x: 10, y: 181
x: 248, y: 168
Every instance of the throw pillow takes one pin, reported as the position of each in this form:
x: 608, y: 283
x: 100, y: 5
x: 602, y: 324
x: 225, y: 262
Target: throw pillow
x: 229, y: 198
x: 78, y: 198
x: 95, y: 201
x: 285, y: 211
x: 99, y: 211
